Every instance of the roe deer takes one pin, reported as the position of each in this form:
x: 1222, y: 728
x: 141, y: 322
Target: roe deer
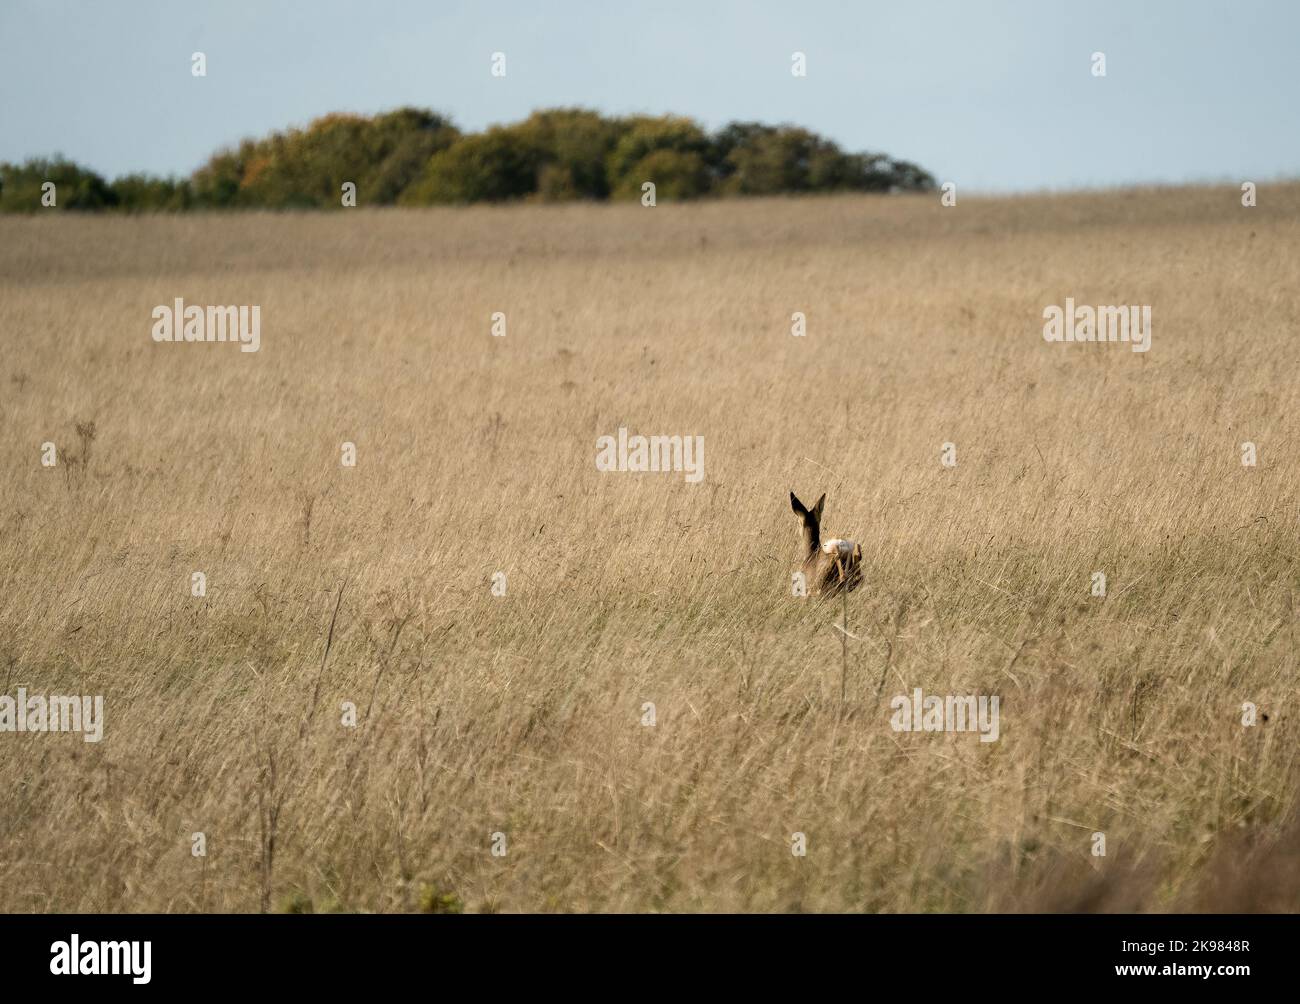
x: 828, y: 566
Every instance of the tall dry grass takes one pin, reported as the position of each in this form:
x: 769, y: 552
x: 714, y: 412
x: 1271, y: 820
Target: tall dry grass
x: 522, y: 714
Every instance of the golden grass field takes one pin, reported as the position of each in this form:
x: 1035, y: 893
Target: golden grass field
x: 522, y: 714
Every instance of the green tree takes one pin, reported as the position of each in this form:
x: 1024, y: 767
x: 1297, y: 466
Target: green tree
x: 572, y: 146
x: 493, y: 166
x: 75, y: 187
x: 403, y: 142
x: 143, y: 193
x: 305, y: 168
x: 217, y: 184
x: 670, y: 151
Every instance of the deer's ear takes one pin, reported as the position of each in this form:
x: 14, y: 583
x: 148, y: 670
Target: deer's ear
x: 797, y: 506
x: 817, y: 509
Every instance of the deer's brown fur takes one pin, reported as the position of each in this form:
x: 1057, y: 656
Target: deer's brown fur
x: 825, y: 572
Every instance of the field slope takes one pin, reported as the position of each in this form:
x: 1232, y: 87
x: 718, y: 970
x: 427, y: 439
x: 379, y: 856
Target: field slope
x: 523, y: 714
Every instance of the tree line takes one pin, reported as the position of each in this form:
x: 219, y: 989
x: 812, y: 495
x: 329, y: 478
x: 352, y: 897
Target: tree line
x: 415, y: 157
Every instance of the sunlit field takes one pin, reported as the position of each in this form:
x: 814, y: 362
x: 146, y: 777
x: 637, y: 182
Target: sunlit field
x: 352, y: 720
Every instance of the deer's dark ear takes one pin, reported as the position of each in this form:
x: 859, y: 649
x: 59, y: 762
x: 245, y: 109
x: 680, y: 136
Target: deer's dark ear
x: 817, y: 509
x: 797, y: 506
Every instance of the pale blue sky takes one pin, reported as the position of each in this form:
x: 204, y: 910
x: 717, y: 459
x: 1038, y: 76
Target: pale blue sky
x: 992, y: 94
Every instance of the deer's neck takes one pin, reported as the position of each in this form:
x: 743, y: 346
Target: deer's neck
x: 811, y: 541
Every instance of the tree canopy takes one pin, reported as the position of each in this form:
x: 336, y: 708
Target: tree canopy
x: 415, y: 157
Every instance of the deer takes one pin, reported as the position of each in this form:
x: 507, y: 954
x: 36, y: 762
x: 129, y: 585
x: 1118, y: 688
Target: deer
x: 829, y: 567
